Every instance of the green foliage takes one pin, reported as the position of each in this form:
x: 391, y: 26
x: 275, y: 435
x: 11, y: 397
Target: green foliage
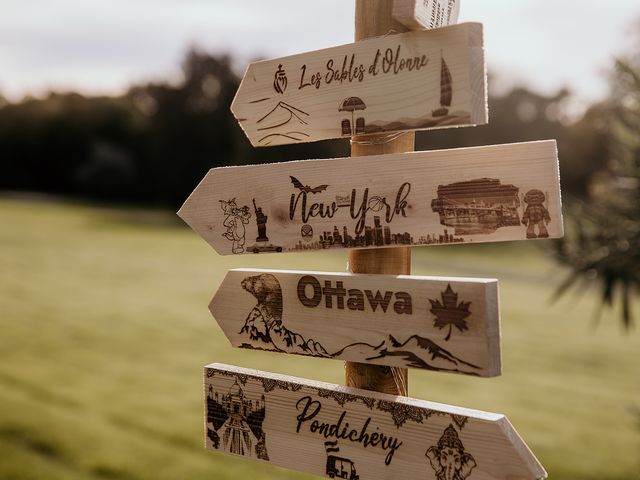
x: 603, y: 239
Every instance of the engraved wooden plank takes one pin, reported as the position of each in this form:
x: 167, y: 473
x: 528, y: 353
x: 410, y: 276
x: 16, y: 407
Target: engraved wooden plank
x: 433, y: 323
x: 477, y: 194
x: 415, y: 14
x: 411, y: 81
x: 336, y: 431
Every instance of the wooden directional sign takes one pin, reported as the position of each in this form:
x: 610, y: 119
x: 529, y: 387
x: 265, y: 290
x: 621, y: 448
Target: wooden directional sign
x: 335, y: 431
x: 412, y: 81
x: 434, y: 323
x: 478, y: 194
x: 415, y: 14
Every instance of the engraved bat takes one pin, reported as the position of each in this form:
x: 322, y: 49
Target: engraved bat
x: 306, y: 188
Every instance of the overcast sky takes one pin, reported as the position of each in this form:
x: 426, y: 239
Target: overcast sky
x: 102, y: 46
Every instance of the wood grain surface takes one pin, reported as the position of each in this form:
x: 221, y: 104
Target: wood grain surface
x: 433, y: 323
x: 466, y: 195
x: 336, y: 431
x: 416, y: 14
x: 374, y: 18
x: 410, y: 81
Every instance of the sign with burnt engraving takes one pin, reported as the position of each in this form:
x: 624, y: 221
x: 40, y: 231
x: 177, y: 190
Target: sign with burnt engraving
x: 335, y: 431
x: 415, y: 14
x: 411, y: 81
x: 433, y: 323
x: 477, y: 194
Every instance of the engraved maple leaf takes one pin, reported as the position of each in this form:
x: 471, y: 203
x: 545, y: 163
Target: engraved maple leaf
x: 450, y: 313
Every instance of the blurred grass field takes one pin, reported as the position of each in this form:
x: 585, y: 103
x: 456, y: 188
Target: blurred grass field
x: 104, y: 330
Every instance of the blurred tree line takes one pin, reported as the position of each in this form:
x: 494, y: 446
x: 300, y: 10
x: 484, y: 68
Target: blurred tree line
x: 155, y: 143
x: 150, y: 146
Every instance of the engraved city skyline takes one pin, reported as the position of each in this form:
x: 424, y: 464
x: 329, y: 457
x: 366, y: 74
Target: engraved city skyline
x: 407, y: 199
x: 377, y: 235
x: 470, y: 207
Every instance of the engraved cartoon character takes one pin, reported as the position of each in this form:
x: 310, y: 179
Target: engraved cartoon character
x: 449, y: 459
x: 536, y: 214
x: 235, y: 220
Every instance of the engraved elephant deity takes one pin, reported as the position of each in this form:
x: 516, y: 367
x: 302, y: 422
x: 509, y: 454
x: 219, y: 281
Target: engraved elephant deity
x: 449, y: 459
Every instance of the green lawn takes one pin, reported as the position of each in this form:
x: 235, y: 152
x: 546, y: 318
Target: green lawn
x: 104, y: 330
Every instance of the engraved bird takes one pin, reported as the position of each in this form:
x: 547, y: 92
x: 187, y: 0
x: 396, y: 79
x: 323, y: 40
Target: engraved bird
x: 306, y: 188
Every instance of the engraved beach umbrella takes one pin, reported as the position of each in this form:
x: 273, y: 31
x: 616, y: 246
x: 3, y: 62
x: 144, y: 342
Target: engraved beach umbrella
x: 352, y: 104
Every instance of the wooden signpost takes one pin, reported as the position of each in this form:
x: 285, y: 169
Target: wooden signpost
x: 343, y: 432
x: 478, y: 194
x: 377, y: 204
x: 416, y: 14
x: 434, y: 323
x: 416, y: 80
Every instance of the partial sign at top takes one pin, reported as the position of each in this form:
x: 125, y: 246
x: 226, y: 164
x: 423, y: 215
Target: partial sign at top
x: 416, y: 14
x: 478, y: 194
x: 412, y: 81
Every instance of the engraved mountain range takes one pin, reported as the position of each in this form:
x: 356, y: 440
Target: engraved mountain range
x: 278, y: 338
x: 264, y: 330
x: 416, y: 351
x: 281, y: 114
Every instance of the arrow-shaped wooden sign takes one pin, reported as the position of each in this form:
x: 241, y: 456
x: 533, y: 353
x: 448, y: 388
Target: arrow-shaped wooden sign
x: 415, y: 14
x: 478, y: 194
x: 434, y: 323
x: 411, y: 81
x: 335, y: 431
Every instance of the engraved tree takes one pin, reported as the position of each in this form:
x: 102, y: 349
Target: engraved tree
x: 450, y: 313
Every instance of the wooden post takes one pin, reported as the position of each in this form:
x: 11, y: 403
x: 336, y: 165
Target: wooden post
x: 374, y: 18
